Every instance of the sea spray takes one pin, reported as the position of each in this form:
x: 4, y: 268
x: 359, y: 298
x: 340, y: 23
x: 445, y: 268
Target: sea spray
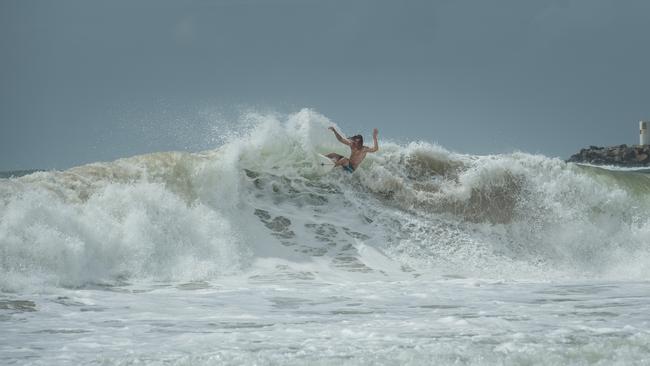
x: 196, y: 216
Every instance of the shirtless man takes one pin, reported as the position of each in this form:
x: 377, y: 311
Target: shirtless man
x: 358, y: 151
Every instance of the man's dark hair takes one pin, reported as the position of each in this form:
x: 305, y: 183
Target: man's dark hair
x: 357, y: 137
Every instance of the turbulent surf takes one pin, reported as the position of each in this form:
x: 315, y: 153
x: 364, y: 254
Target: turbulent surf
x: 256, y: 212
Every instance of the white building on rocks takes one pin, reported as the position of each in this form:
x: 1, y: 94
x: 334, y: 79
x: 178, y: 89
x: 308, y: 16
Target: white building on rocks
x: 644, y: 134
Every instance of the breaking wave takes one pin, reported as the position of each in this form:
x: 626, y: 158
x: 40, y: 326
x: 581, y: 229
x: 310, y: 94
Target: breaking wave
x: 414, y: 209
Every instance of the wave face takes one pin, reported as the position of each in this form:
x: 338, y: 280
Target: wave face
x: 413, y: 209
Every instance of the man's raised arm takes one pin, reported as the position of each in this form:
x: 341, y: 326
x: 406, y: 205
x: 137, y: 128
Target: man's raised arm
x: 339, y: 137
x: 374, y: 138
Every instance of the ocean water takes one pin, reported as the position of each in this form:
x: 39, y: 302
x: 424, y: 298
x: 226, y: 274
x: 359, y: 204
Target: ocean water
x: 254, y: 254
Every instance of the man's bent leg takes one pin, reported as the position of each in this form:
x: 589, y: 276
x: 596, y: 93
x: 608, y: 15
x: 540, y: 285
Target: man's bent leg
x: 342, y: 162
x: 334, y: 156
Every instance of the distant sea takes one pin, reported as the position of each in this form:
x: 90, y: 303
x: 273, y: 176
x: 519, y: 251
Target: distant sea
x: 18, y: 173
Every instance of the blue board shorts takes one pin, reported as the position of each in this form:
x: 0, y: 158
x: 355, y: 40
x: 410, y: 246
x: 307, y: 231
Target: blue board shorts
x: 348, y: 168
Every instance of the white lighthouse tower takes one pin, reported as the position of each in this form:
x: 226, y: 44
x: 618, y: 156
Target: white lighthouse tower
x: 644, y: 134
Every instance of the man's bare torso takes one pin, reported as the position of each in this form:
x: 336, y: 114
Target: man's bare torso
x: 357, y: 156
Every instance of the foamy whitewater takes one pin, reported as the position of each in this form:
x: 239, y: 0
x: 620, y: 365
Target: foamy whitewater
x: 251, y: 254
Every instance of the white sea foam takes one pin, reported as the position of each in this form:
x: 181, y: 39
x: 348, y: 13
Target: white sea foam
x: 248, y: 255
x: 180, y: 216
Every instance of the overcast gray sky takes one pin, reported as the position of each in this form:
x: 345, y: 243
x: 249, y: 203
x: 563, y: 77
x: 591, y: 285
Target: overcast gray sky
x: 82, y: 81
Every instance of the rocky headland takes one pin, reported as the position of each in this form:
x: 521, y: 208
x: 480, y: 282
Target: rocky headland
x: 621, y: 155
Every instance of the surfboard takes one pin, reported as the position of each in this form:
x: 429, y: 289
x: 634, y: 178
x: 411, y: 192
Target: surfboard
x: 324, y: 164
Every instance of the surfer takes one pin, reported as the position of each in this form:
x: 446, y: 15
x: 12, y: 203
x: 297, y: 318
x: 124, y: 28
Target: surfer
x: 357, y: 150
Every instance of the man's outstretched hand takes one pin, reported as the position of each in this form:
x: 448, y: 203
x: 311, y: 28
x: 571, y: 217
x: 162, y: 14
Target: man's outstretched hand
x: 375, y: 132
x: 331, y: 128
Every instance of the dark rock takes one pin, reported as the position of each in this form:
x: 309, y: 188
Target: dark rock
x: 620, y: 155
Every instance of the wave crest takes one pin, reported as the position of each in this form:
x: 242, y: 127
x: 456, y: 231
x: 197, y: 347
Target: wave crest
x: 195, y: 216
